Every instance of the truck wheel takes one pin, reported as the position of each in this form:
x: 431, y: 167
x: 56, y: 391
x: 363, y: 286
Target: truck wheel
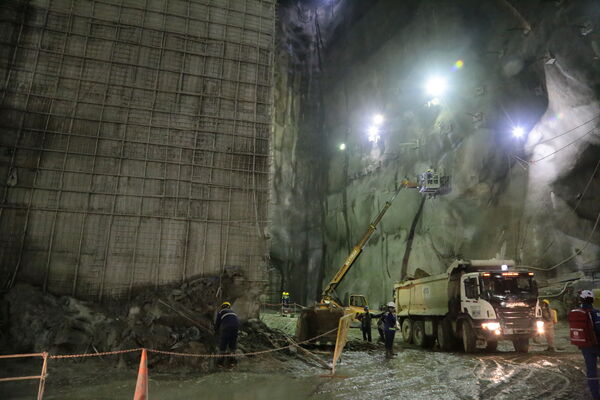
x: 445, y: 337
x: 407, y: 331
x: 491, y: 345
x: 521, y: 345
x: 418, y: 332
x: 468, y: 337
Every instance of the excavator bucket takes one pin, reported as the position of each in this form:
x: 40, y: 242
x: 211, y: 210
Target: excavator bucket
x: 316, y: 321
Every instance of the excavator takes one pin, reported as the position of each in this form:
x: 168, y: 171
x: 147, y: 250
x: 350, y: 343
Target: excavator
x: 324, y: 316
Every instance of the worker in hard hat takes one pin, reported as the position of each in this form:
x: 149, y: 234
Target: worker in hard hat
x: 285, y: 298
x: 389, y: 329
x: 285, y: 303
x: 365, y: 323
x: 549, y: 321
x: 226, y: 326
x: 584, y: 325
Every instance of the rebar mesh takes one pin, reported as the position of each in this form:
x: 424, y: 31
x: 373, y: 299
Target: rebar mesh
x: 134, y: 139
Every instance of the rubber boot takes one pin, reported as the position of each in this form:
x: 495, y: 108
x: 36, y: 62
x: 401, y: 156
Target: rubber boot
x: 389, y: 354
x: 220, y: 361
x: 231, y: 360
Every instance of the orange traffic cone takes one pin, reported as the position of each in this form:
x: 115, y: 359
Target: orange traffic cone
x: 141, y: 388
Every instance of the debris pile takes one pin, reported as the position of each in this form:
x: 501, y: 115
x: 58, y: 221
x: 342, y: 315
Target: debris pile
x: 178, y: 319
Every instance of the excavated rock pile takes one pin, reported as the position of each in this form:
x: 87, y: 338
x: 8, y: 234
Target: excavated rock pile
x: 176, y: 319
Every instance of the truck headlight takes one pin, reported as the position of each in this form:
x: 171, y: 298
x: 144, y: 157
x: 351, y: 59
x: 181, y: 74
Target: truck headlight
x: 540, y: 326
x: 491, y: 326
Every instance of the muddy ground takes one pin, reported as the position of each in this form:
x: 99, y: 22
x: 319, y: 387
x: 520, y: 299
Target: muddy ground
x: 365, y: 374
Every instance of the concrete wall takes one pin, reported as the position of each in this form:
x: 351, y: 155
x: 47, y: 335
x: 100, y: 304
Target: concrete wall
x: 134, y: 141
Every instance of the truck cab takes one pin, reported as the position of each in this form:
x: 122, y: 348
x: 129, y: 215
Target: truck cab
x: 500, y: 305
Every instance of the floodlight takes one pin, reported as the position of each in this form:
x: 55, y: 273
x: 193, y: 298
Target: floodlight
x: 436, y: 86
x: 373, y: 134
x: 518, y: 131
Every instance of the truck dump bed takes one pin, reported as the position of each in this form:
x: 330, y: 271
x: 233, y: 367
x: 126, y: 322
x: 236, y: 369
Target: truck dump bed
x: 424, y: 296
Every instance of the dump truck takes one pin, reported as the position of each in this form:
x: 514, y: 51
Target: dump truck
x: 476, y: 302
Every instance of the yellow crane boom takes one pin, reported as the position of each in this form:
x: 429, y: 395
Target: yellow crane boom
x: 323, y: 318
x: 326, y: 295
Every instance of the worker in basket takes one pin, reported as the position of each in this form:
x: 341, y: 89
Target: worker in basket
x: 226, y: 326
x: 584, y: 330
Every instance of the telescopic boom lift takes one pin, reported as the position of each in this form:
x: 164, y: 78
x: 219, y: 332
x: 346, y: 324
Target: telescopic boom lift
x: 324, y: 316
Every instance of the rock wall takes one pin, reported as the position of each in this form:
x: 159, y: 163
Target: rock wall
x: 534, y: 198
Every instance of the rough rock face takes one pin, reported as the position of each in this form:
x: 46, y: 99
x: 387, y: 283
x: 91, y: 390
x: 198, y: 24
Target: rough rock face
x: 533, y: 64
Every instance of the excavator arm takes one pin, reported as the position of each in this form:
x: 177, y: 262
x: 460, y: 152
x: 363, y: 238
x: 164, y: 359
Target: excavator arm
x: 326, y: 295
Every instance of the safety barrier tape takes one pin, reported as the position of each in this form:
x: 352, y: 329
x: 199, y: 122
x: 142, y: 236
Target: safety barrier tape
x: 107, y: 353
x: 256, y: 353
x: 281, y: 304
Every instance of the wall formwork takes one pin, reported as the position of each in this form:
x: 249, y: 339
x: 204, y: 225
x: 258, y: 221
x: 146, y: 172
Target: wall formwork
x: 134, y: 141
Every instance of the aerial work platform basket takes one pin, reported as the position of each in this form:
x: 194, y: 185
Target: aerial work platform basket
x: 430, y: 183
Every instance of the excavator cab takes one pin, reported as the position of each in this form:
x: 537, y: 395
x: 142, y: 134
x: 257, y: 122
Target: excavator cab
x: 357, y: 303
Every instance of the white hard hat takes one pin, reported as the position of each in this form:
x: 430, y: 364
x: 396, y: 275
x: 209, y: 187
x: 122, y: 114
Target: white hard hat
x: 391, y: 304
x: 586, y: 294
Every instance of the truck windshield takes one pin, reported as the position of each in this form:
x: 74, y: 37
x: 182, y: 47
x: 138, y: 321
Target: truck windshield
x: 501, y: 287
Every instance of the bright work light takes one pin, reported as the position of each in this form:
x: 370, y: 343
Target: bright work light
x: 373, y: 134
x: 518, y: 131
x: 436, y: 86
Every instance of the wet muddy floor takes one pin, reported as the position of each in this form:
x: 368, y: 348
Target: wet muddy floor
x: 413, y: 374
